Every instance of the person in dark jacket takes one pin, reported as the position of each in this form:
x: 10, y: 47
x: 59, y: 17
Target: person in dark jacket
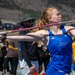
x: 29, y: 61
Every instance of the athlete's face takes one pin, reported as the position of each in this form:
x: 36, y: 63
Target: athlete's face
x: 55, y: 16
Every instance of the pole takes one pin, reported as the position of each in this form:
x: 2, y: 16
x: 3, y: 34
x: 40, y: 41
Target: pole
x: 34, y: 27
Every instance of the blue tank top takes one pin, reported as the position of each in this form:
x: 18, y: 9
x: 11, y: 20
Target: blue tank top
x: 60, y: 48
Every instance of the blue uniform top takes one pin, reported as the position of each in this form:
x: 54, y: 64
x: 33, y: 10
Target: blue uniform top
x: 60, y: 48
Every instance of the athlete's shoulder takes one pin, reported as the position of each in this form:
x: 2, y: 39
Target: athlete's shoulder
x: 68, y: 27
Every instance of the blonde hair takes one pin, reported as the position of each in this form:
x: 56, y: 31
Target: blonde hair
x: 44, y: 18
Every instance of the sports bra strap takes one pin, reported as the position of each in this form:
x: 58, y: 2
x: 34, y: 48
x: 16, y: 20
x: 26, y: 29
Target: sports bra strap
x: 50, y: 33
x: 63, y: 29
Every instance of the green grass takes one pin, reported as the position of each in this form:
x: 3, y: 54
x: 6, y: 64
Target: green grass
x: 35, y: 14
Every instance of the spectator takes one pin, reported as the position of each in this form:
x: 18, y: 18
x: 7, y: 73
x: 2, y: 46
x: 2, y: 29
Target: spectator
x: 73, y: 64
x: 29, y: 61
x: 12, y: 57
x: 44, y: 54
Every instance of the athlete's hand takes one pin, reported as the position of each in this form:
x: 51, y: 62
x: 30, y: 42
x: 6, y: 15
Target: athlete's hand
x: 1, y: 36
x: 4, y: 36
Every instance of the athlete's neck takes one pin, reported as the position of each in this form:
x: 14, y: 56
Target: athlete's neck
x: 55, y: 30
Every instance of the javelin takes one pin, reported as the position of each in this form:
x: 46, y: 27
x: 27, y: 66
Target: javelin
x: 34, y: 27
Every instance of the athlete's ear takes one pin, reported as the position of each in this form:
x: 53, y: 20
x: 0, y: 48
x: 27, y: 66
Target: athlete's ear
x: 50, y: 20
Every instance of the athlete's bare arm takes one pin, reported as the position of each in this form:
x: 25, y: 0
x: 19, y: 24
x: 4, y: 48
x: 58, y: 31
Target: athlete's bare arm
x: 71, y: 30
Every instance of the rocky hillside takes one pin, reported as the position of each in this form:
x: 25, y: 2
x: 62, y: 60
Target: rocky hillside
x: 15, y: 10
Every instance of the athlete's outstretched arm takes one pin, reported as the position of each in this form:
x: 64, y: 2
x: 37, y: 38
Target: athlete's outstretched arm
x: 28, y: 37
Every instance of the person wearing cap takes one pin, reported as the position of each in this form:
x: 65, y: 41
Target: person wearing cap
x: 29, y: 61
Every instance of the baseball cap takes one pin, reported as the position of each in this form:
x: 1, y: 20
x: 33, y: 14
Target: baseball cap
x: 27, y: 18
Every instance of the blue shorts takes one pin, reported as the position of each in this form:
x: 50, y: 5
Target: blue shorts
x: 55, y: 73
x: 52, y: 71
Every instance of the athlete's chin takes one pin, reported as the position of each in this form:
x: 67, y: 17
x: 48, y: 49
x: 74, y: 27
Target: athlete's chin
x: 60, y: 20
